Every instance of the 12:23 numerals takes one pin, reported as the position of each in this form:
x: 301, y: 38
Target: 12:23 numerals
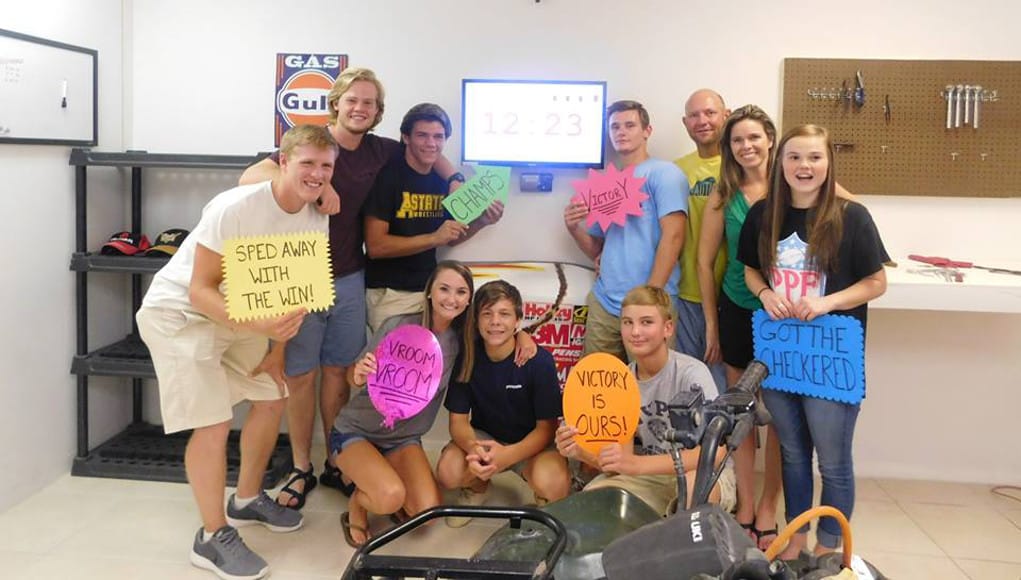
x: 553, y: 124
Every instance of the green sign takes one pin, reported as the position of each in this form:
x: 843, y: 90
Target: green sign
x: 473, y: 198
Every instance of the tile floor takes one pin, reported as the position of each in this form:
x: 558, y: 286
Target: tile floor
x: 86, y: 528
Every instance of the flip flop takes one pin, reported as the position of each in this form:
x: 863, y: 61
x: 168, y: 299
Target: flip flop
x: 760, y: 534
x: 399, y: 517
x: 347, y: 526
x: 749, y: 528
x: 307, y: 477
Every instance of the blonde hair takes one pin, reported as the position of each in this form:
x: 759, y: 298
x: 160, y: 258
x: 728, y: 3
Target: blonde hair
x: 348, y: 77
x: 646, y: 295
x: 313, y: 135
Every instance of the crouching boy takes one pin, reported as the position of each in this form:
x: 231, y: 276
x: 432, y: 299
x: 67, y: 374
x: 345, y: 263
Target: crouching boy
x: 505, y: 416
x: 644, y: 466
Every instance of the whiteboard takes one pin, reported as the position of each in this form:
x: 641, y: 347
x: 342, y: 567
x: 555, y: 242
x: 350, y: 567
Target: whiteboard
x: 47, y: 91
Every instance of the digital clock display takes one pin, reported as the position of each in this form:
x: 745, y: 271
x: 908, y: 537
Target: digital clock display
x: 510, y: 122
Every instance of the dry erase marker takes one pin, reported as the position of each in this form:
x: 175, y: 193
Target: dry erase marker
x: 63, y: 97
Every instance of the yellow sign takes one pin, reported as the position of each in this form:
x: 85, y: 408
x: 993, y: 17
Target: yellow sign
x: 272, y: 275
x: 601, y: 400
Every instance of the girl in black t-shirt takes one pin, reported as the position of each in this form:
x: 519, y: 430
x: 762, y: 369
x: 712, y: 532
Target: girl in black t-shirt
x: 822, y: 254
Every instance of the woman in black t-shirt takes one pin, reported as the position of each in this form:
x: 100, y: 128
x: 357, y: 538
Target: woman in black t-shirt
x: 822, y: 254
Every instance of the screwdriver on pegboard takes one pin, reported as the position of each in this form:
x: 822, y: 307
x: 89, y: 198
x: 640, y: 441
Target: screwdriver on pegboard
x: 859, y: 90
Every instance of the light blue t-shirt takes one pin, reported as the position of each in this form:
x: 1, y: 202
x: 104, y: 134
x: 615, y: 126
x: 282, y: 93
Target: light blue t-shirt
x: 629, y: 250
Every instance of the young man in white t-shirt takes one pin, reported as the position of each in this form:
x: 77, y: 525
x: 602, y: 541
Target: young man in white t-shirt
x: 644, y: 467
x: 205, y: 362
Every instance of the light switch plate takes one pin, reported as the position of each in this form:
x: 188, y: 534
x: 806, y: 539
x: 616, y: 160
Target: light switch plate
x: 536, y: 182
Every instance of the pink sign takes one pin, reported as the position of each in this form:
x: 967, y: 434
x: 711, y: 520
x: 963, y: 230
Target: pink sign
x: 610, y: 196
x: 409, y: 365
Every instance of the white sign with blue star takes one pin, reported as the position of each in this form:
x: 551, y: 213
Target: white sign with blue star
x: 793, y: 276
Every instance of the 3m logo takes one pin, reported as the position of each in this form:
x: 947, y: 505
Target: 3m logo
x: 303, y: 98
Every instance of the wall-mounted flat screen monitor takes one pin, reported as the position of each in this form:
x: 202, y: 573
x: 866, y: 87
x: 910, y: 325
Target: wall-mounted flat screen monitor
x: 517, y: 122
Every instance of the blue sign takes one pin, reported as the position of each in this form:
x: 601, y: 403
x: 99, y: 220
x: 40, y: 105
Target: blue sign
x: 824, y: 358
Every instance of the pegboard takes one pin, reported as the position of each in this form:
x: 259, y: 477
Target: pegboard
x: 911, y: 152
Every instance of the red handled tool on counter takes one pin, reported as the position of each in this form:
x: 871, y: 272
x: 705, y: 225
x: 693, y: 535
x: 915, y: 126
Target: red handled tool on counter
x: 948, y: 263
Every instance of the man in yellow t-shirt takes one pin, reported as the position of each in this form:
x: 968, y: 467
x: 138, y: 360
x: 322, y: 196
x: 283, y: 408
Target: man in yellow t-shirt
x: 704, y: 115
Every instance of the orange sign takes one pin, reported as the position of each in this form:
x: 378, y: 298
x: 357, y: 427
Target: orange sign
x: 601, y: 400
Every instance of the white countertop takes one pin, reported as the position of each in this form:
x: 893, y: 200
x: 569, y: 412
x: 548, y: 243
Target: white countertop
x: 908, y: 288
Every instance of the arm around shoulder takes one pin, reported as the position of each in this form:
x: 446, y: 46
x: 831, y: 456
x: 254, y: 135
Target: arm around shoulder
x: 264, y: 170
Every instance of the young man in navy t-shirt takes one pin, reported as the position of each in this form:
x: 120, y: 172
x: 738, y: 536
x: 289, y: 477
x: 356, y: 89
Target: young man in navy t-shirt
x: 505, y: 416
x: 405, y: 220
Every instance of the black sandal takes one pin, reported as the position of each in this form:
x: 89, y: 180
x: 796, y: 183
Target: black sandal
x: 332, y: 477
x: 308, y: 478
x: 759, y: 534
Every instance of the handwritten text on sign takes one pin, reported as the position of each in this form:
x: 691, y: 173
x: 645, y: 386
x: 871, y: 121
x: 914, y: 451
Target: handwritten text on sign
x: 824, y: 358
x: 272, y: 275
x: 601, y: 400
x: 409, y: 366
x: 473, y: 198
x: 610, y: 196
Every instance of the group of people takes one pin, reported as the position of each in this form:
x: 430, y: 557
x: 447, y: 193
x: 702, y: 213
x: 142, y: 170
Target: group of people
x: 666, y: 298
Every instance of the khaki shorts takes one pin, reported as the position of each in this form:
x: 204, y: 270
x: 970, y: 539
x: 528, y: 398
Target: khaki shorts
x: 660, y: 491
x: 602, y: 331
x: 382, y: 303
x: 202, y: 367
x: 520, y: 466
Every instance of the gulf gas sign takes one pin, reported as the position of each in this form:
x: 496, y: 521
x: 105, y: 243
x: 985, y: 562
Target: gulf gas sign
x: 302, y: 83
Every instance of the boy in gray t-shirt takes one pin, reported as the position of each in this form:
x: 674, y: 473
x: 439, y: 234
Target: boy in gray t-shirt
x: 646, y: 468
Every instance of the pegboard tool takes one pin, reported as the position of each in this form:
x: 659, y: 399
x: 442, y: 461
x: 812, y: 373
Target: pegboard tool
x: 859, y: 90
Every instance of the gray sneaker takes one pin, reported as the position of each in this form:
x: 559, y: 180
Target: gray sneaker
x: 265, y: 511
x: 227, y: 556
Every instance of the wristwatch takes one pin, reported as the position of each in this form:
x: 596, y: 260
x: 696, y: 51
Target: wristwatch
x: 456, y: 177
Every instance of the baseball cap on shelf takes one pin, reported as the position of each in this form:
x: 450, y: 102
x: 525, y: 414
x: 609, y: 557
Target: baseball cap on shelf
x: 125, y: 244
x: 167, y: 243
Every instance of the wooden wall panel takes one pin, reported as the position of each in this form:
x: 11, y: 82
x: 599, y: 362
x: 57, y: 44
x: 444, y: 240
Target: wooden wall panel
x: 912, y: 153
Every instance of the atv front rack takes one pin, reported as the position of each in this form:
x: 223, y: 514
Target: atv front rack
x: 365, y: 564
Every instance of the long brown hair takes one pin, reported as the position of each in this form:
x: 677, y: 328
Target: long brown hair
x: 825, y: 221
x: 731, y: 172
x: 464, y: 324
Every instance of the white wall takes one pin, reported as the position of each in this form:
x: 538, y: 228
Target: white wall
x: 214, y: 94
x: 198, y: 77
x: 37, y: 339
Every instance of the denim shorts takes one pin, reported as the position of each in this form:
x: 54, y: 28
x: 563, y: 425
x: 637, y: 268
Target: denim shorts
x: 333, y: 338
x: 339, y: 441
x: 690, y: 335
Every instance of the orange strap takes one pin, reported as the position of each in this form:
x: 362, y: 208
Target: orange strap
x: 792, y: 527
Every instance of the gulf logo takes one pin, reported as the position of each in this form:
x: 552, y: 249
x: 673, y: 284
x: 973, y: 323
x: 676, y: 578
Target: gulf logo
x: 302, y: 99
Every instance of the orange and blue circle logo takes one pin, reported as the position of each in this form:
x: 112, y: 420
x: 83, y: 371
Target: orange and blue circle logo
x: 302, y: 99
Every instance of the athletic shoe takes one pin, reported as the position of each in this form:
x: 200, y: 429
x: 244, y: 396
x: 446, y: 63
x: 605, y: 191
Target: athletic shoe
x: 265, y: 511
x: 227, y: 556
x: 466, y: 497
